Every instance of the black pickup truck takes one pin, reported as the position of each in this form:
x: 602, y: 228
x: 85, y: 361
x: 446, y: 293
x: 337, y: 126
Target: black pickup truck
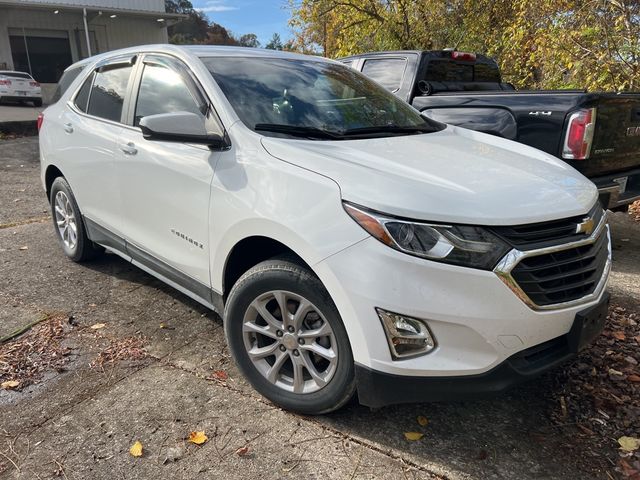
x: 597, y: 133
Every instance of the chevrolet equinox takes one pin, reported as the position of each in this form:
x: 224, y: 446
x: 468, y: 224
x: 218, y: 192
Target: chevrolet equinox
x: 349, y: 244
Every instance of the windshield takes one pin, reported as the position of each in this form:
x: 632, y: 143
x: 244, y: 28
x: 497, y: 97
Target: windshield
x: 313, y: 99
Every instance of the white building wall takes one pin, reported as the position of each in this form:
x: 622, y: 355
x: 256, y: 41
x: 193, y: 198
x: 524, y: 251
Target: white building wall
x: 110, y: 34
x: 148, y: 5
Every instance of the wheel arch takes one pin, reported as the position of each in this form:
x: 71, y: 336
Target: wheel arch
x: 250, y: 251
x: 52, y: 172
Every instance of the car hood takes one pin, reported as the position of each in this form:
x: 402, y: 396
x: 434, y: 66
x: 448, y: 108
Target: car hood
x: 455, y: 175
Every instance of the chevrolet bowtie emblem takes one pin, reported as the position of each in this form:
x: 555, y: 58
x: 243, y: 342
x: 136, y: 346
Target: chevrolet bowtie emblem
x: 586, y: 226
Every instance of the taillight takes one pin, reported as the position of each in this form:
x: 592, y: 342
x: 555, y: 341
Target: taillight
x: 5, y: 82
x: 40, y: 120
x: 34, y: 84
x: 580, y: 128
x: 465, y: 56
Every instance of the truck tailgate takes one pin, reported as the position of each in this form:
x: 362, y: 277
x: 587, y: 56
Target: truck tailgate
x: 616, y: 141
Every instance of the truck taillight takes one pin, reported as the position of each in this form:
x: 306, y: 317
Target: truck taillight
x: 579, y: 136
x: 34, y: 84
x: 40, y: 120
x: 5, y: 82
x: 465, y: 56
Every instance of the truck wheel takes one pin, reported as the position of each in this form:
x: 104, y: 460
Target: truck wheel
x: 288, y: 340
x: 68, y: 223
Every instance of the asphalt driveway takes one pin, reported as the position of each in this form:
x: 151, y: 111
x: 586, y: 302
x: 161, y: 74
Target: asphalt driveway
x: 125, y: 358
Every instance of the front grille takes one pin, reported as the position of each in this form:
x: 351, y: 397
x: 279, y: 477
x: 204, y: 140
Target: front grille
x: 565, y: 275
x: 538, y: 235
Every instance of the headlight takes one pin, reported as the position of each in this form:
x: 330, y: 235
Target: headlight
x: 463, y: 245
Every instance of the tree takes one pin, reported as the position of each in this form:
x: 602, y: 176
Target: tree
x: 275, y: 43
x: 538, y: 43
x: 249, y: 40
x: 190, y: 30
x: 218, y: 35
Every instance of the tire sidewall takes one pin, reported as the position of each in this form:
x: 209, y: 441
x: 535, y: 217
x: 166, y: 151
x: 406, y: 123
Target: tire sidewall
x: 280, y: 275
x: 75, y: 254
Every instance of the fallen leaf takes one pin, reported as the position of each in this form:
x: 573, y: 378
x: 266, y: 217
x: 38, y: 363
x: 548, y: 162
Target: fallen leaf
x: 97, y: 326
x: 198, y: 438
x: 136, y: 450
x: 617, y: 373
x: 619, y: 335
x: 10, y: 384
x: 629, y: 444
x: 633, y: 378
x: 413, y: 436
x: 422, y: 420
x: 242, y: 451
x: 24, y: 248
x: 220, y: 375
x: 92, y: 305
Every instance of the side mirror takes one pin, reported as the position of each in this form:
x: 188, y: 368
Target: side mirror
x: 179, y: 127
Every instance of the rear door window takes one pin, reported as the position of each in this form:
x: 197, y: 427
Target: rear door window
x: 108, y: 92
x: 388, y: 72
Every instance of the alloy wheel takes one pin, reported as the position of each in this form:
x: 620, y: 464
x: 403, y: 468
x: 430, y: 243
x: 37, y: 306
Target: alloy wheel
x: 290, y: 342
x: 66, y: 220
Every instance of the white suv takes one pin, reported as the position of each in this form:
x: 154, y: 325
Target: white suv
x: 349, y: 244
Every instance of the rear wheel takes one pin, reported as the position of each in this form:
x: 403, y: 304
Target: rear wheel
x: 287, y: 338
x: 69, y: 225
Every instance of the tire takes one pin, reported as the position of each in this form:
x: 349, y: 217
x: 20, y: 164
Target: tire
x: 37, y: 103
x: 69, y: 225
x: 317, y: 333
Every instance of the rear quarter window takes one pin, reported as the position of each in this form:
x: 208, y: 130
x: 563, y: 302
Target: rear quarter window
x: 82, y: 97
x: 63, y: 84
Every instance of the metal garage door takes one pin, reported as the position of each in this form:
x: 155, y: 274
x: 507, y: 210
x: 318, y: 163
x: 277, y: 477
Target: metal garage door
x: 45, y: 57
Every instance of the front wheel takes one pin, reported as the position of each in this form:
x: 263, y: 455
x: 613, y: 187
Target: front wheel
x: 287, y: 338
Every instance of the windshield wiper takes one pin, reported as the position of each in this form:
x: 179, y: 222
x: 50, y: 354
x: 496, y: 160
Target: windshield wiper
x: 388, y: 129
x: 297, y: 131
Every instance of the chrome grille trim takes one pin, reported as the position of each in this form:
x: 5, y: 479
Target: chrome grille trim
x: 512, y: 259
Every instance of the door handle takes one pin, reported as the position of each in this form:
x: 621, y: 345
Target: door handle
x: 129, y: 148
x: 68, y: 127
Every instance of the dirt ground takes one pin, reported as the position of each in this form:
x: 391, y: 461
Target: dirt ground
x: 118, y: 357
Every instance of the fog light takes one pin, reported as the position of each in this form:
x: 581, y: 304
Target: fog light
x: 407, y: 336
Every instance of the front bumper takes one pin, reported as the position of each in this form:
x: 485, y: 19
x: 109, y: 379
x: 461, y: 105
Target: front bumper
x: 618, y: 189
x: 482, y: 329
x: 377, y: 389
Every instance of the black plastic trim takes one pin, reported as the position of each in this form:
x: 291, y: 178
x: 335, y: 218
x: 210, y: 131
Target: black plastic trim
x: 105, y: 237
x: 377, y: 389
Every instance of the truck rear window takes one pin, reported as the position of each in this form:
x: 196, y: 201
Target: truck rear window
x: 452, y: 71
x: 388, y: 72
